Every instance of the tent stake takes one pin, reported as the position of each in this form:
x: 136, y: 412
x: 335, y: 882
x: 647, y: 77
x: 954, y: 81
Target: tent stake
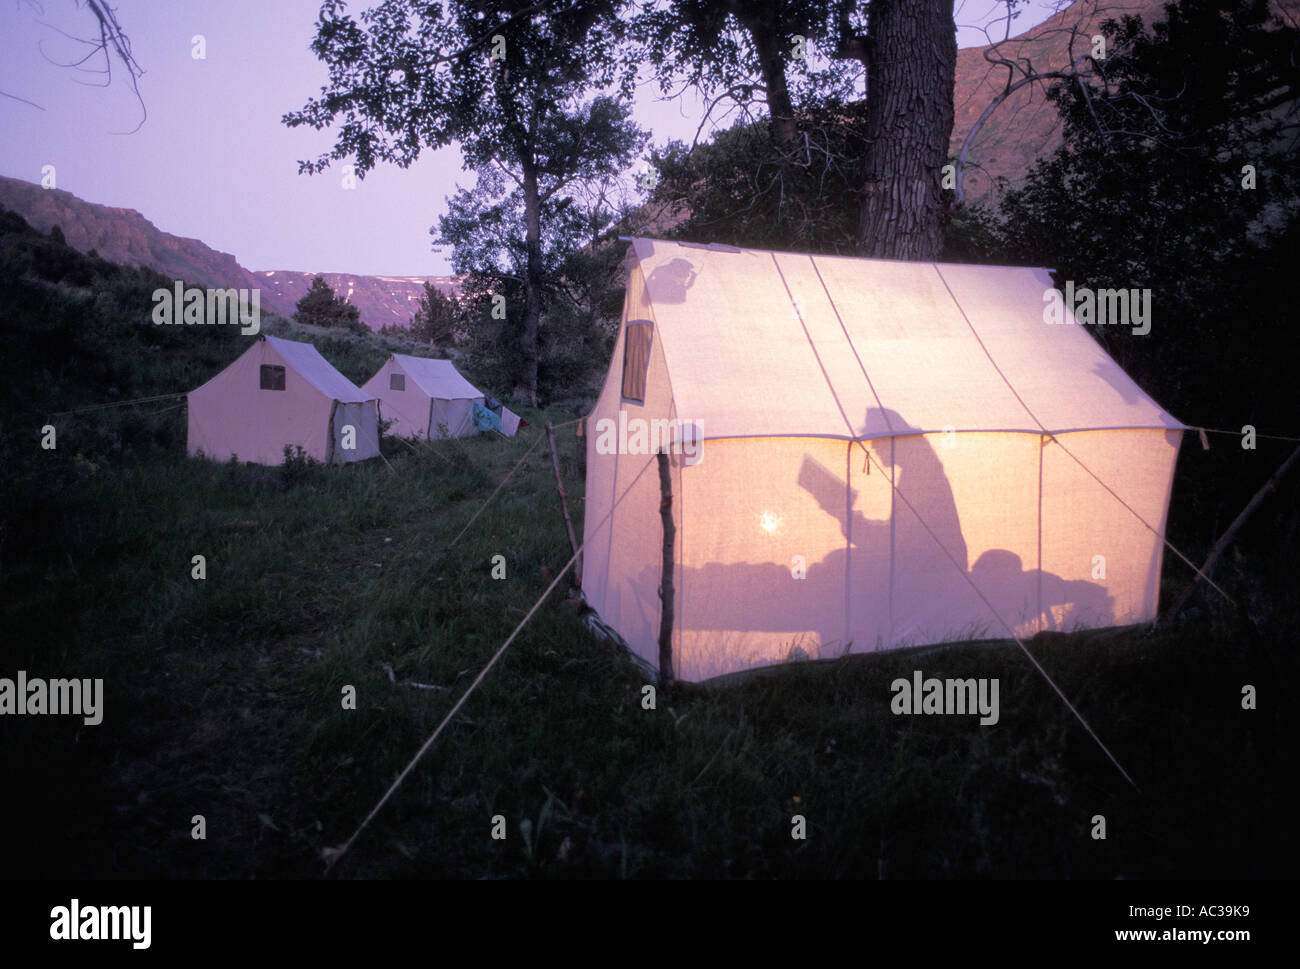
x: 564, y: 506
x: 1222, y: 544
x: 666, y: 582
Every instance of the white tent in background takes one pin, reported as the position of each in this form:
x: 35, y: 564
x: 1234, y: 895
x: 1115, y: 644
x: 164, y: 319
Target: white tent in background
x: 863, y: 445
x: 429, y: 398
x: 282, y: 392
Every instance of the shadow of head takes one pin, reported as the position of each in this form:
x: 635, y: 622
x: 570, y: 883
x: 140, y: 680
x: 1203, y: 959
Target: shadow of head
x: 997, y: 566
x: 888, y: 424
x: 1001, y: 576
x: 669, y: 282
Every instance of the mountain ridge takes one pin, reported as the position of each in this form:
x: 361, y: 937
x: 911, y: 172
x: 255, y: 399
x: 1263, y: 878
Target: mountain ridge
x: 1026, y: 126
x: 126, y: 236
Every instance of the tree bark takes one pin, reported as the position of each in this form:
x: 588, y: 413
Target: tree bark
x: 532, y: 281
x: 766, y: 28
x: 772, y: 59
x: 911, y: 69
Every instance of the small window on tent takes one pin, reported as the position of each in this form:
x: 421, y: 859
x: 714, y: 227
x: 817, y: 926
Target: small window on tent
x: 397, y: 381
x: 636, y: 358
x: 272, y: 377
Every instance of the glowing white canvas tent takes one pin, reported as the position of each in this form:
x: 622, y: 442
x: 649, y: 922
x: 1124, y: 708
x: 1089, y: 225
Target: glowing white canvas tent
x: 429, y: 398
x: 864, y: 444
x: 282, y: 392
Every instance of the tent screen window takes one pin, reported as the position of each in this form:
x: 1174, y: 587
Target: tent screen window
x: 397, y: 381
x: 272, y: 377
x: 636, y: 359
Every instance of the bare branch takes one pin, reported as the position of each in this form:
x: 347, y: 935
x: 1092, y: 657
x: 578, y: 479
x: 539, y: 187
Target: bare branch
x: 23, y: 100
x: 730, y: 92
x: 111, y: 43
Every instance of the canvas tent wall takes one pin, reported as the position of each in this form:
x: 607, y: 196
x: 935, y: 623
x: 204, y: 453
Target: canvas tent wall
x: 877, y: 440
x: 424, y: 397
x: 282, y: 392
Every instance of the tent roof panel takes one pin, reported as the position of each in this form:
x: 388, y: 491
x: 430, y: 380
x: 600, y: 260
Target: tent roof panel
x: 767, y: 344
x: 306, y: 360
x: 438, y: 378
x: 1062, y: 373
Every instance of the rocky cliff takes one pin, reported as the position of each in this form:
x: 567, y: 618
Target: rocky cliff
x: 127, y: 237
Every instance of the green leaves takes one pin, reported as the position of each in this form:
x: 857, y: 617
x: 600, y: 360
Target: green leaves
x: 406, y: 76
x: 508, y: 81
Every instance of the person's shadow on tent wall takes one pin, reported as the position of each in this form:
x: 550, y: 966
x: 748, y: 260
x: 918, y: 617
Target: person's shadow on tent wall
x: 1065, y: 603
x: 670, y: 281
x: 918, y: 474
x: 766, y: 597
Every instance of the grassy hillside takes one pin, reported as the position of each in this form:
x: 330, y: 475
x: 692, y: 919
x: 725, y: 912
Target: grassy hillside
x: 223, y: 695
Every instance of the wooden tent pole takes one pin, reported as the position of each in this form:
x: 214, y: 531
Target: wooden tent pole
x: 564, y: 506
x: 329, y: 451
x: 1226, y: 539
x: 666, y: 581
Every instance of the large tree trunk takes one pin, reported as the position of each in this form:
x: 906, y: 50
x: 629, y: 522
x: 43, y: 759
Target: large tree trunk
x: 762, y: 21
x: 772, y: 59
x: 532, y: 282
x: 911, y: 66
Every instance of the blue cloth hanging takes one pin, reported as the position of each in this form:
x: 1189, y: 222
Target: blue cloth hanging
x: 485, y: 420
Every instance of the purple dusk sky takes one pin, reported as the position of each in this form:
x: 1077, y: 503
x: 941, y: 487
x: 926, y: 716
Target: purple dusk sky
x: 212, y: 160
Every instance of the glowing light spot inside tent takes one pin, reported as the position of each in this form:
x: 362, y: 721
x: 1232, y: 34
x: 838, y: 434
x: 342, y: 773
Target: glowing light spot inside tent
x: 769, y: 522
